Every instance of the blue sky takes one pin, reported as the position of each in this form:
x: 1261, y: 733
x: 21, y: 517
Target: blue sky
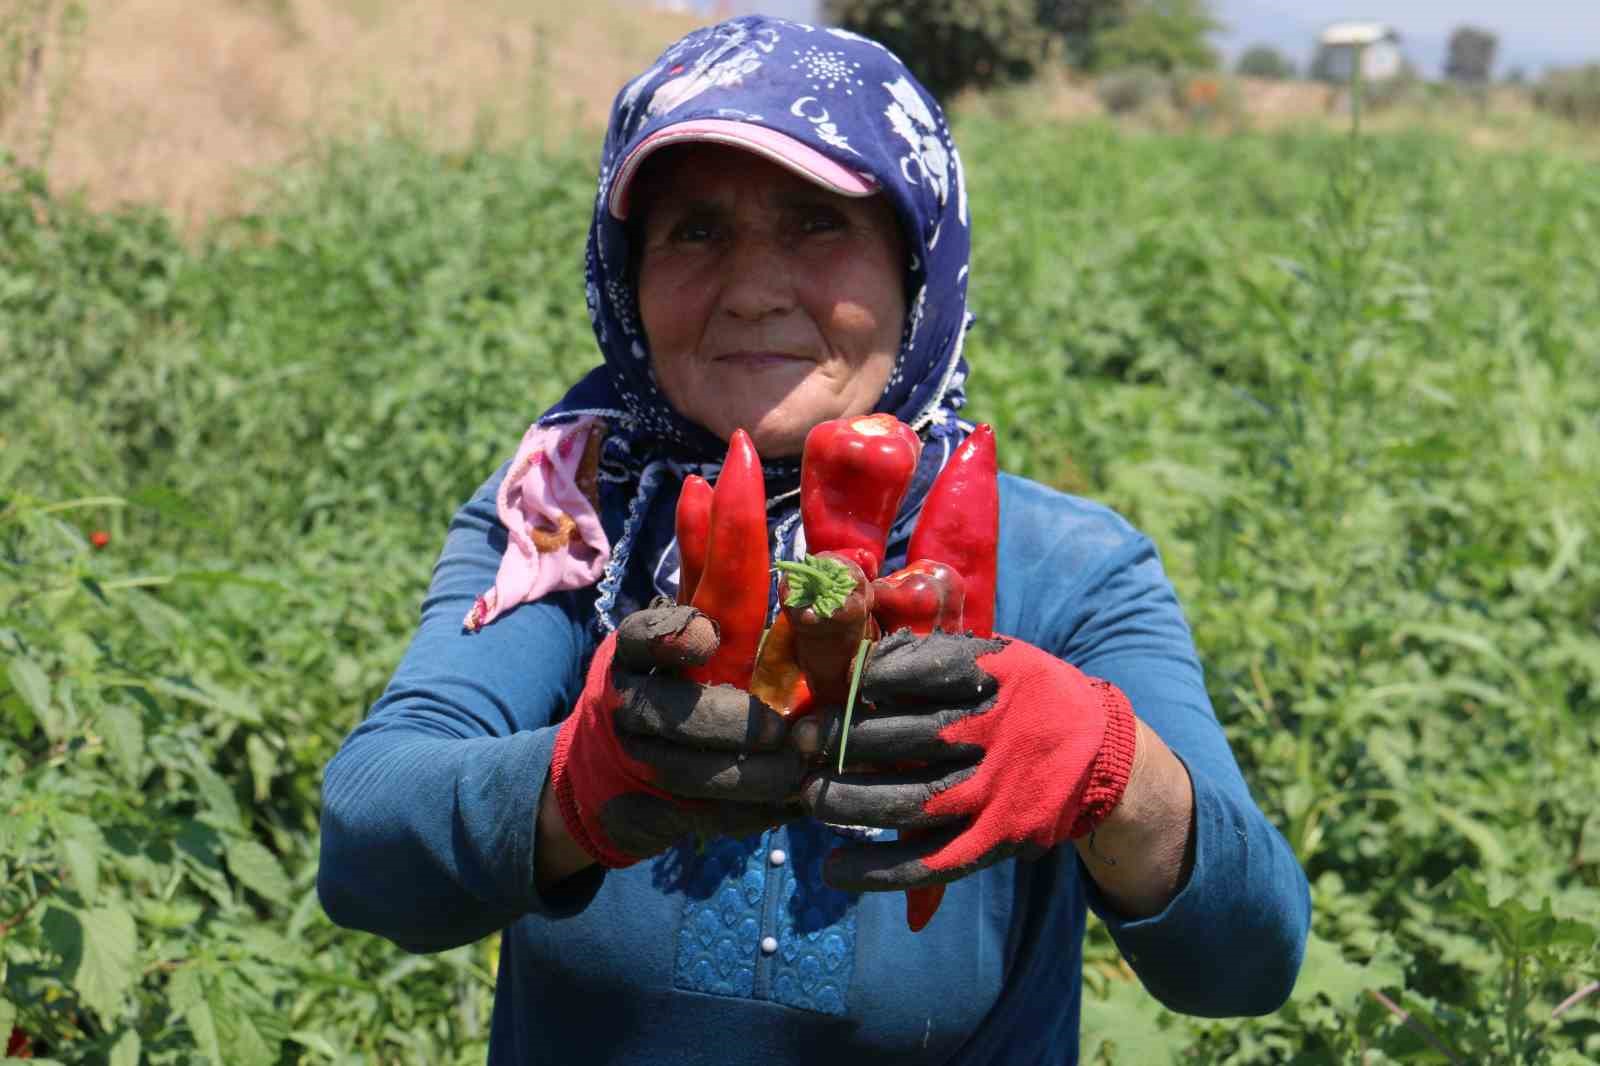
x: 1533, y: 33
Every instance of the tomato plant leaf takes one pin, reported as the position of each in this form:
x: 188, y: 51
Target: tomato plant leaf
x: 258, y: 870
x: 97, y: 948
x: 125, y: 1052
x: 123, y: 731
x: 33, y: 685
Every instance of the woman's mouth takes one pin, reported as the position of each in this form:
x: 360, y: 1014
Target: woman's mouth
x: 758, y: 360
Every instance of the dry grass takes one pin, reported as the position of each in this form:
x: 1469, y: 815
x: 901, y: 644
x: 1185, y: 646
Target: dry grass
x: 178, y: 108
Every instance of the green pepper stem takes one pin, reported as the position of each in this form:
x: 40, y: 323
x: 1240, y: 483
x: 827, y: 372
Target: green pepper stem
x: 791, y: 566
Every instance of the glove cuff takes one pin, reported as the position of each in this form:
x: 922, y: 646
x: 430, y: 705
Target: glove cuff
x: 593, y: 843
x: 1112, y: 766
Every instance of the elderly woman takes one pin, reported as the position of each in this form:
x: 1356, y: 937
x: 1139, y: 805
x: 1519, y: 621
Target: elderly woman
x: 780, y: 238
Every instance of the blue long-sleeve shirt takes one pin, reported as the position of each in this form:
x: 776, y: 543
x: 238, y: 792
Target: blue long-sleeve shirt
x: 739, y: 953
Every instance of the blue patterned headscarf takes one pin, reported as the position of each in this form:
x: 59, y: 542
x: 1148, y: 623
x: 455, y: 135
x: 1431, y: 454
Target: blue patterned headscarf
x: 852, y: 100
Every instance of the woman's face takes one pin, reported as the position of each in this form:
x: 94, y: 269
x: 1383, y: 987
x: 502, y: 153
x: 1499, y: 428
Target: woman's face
x: 770, y: 304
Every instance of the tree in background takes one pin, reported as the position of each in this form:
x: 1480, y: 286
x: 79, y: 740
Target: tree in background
x: 1264, y: 61
x: 1163, y: 35
x: 1075, y: 26
x: 951, y: 44
x: 1471, y: 55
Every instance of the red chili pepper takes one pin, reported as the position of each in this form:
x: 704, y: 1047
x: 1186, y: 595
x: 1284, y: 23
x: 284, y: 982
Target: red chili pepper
x: 922, y: 597
x: 733, y: 588
x: 99, y: 539
x: 693, y: 522
x: 853, y: 474
x: 18, y: 1046
x: 960, y: 525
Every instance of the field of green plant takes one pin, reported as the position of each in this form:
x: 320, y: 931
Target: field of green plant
x: 1351, y: 387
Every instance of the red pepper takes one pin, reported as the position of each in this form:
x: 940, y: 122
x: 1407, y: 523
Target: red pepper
x: 733, y: 588
x: 778, y: 681
x: 17, y: 1045
x: 828, y: 600
x: 853, y: 474
x: 693, y: 522
x: 960, y: 525
x: 99, y: 538
x: 924, y: 596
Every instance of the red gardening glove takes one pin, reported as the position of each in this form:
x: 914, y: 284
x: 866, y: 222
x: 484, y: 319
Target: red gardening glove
x: 1021, y: 750
x: 647, y: 758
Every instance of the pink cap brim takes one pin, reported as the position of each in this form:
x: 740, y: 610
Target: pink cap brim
x: 780, y: 148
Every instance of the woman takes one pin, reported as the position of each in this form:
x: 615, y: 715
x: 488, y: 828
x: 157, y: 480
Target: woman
x: 780, y: 238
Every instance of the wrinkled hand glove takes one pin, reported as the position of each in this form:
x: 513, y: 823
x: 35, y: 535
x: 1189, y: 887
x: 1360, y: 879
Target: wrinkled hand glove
x: 1017, y: 751
x: 647, y: 757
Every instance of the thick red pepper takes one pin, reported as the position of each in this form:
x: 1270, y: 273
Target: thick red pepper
x: 960, y: 525
x: 693, y: 521
x: 922, y: 597
x: 853, y: 474
x: 828, y: 601
x: 733, y: 588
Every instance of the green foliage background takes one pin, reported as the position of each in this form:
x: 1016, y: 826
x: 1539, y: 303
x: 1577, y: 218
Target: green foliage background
x: 1350, y: 388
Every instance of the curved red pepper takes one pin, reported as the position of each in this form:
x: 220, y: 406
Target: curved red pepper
x: 733, y: 588
x: 960, y: 525
x: 853, y: 474
x: 693, y: 522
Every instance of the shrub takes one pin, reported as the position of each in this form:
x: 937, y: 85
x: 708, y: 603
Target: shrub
x: 1127, y: 92
x: 1167, y: 35
x: 1264, y: 61
x: 951, y: 44
x: 1571, y: 93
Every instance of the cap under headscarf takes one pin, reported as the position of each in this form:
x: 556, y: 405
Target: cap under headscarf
x: 839, y: 110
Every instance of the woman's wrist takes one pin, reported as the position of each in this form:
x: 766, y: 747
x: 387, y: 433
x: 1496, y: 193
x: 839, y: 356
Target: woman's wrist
x: 557, y: 855
x: 1140, y: 855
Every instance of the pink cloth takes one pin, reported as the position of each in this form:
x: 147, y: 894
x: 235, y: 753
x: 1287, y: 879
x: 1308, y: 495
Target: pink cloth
x: 539, y: 490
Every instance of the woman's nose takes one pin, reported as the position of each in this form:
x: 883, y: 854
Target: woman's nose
x: 758, y: 279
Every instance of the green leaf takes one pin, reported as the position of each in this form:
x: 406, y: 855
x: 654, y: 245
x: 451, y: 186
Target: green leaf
x: 258, y: 869
x: 821, y: 584
x: 8, y: 1015
x: 171, y: 506
x: 1327, y: 972
x: 315, y: 1042
x: 81, y: 850
x: 235, y: 1029
x: 123, y: 731
x: 125, y: 1052
x: 33, y: 685
x: 263, y: 766
x: 217, y: 794
x: 98, y: 948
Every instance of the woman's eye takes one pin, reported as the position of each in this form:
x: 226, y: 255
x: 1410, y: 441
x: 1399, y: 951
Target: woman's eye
x: 822, y: 220
x: 692, y: 231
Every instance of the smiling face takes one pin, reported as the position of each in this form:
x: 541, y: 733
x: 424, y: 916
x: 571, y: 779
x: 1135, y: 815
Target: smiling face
x: 770, y: 304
